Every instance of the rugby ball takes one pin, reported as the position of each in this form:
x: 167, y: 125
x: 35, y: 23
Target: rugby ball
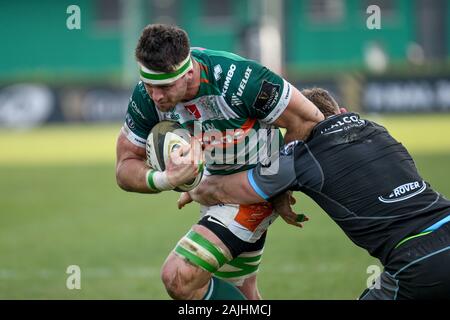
x: 165, y: 137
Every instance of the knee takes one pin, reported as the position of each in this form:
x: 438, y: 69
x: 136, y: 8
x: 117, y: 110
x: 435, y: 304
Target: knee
x: 175, y: 282
x: 249, y: 288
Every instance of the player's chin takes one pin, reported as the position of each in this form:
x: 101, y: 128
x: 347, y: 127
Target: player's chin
x: 165, y: 107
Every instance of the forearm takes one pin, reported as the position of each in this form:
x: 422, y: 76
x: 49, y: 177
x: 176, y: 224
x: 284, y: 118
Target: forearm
x: 131, y: 169
x: 230, y: 189
x: 239, y: 192
x: 131, y: 175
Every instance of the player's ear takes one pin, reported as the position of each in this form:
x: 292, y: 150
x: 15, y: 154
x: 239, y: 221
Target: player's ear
x: 190, y: 74
x: 343, y: 110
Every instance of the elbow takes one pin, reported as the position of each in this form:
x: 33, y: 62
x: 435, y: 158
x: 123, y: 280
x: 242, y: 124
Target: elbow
x: 121, y: 182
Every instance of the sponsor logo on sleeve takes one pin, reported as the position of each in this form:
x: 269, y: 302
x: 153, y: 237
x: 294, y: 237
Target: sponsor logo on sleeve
x: 130, y: 122
x: 403, y: 192
x: 235, y: 101
x: 288, y: 91
x: 135, y: 108
x: 267, y: 96
x: 217, y: 72
x: 244, y: 81
x: 228, y: 78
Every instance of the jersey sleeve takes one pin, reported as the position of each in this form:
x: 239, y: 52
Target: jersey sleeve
x: 278, y: 177
x: 265, y: 94
x: 140, y: 117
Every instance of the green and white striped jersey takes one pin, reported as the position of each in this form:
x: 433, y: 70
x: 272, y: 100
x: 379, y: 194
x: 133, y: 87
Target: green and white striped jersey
x: 237, y: 97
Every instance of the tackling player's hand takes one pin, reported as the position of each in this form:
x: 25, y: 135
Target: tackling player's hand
x: 207, y: 193
x: 282, y: 205
x: 184, y: 199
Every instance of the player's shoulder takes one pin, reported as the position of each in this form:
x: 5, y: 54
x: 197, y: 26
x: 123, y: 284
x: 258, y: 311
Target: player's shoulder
x: 141, y: 105
x: 231, y: 73
x: 141, y: 96
x: 222, y: 64
x: 217, y: 56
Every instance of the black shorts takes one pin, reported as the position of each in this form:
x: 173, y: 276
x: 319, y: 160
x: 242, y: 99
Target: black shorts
x: 418, y: 269
x: 233, y: 243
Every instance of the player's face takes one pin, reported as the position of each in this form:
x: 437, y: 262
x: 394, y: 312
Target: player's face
x: 168, y: 95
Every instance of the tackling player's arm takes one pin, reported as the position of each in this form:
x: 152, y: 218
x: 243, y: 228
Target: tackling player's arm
x: 233, y: 188
x: 242, y: 188
x: 246, y: 187
x: 252, y: 186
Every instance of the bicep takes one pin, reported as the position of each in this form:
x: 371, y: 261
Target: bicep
x: 125, y: 150
x: 131, y: 167
x: 299, y: 117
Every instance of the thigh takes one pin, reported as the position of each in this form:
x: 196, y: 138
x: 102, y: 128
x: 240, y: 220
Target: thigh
x: 417, y: 270
x: 241, y: 270
x: 200, y: 250
x: 385, y: 288
x: 423, y: 267
x: 190, y: 265
x: 427, y: 276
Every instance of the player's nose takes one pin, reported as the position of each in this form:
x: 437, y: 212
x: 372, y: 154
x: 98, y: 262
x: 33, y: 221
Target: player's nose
x: 157, y: 95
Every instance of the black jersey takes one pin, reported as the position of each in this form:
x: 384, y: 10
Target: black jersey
x: 362, y: 177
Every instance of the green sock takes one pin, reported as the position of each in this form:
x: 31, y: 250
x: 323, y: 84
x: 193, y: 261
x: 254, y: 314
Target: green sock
x: 221, y: 290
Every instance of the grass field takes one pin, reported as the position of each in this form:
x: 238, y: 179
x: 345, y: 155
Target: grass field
x: 60, y: 206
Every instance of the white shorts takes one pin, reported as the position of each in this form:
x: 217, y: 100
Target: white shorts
x: 247, y: 222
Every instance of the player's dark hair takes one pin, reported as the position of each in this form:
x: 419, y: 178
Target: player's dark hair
x: 322, y: 100
x: 161, y: 47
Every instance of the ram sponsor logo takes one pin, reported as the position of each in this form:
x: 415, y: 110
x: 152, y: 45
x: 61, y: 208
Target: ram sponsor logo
x: 228, y: 78
x: 403, y: 192
x: 343, y: 123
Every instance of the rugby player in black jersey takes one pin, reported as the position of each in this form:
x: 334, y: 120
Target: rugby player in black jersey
x: 367, y: 182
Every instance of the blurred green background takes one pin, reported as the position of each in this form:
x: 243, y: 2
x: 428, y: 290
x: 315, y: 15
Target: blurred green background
x: 60, y: 206
x: 63, y: 96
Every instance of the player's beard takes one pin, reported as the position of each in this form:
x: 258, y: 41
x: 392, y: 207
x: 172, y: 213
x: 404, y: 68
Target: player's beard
x: 170, y: 104
x: 165, y: 107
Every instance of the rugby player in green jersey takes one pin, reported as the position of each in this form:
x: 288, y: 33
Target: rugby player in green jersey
x: 218, y: 92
